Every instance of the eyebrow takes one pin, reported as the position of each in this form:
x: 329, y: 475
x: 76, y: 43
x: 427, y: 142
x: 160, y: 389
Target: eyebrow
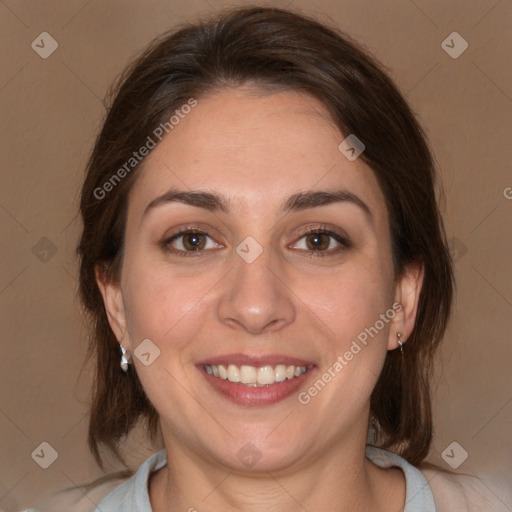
x: 301, y: 201
x: 312, y: 199
x: 207, y: 200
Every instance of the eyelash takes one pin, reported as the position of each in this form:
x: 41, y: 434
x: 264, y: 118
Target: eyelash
x: 166, y: 244
x: 345, y: 244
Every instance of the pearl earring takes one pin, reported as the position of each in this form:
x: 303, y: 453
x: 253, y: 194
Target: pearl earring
x: 125, y: 360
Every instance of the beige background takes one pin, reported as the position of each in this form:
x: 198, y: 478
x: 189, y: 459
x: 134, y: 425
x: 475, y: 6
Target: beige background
x: 51, y: 109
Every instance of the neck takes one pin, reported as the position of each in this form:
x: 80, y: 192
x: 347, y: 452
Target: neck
x: 342, y: 480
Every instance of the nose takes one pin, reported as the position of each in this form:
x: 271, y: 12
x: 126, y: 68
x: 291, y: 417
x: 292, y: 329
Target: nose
x: 256, y: 297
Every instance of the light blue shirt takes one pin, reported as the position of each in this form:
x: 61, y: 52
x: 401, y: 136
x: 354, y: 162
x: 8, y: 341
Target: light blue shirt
x: 132, y: 495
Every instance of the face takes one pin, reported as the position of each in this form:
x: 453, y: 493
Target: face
x: 255, y: 251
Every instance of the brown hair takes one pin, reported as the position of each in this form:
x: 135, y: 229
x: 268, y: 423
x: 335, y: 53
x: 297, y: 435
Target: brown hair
x: 274, y: 49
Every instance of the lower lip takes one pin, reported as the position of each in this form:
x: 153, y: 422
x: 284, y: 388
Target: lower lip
x: 255, y: 396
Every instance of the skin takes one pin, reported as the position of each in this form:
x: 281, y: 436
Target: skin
x: 257, y: 150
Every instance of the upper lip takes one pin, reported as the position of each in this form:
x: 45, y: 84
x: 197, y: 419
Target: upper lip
x: 256, y: 361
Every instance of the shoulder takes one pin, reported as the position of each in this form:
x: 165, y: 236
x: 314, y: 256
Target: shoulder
x: 471, y: 493
x: 111, y: 491
x: 80, y: 499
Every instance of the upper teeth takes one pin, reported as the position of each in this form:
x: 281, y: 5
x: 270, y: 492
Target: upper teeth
x: 251, y: 375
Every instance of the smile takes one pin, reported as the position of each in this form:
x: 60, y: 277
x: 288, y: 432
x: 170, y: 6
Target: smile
x: 253, y: 376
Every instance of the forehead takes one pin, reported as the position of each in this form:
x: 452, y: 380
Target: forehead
x: 255, y: 149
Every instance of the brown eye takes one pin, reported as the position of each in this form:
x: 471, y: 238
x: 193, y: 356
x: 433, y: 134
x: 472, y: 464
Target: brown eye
x: 194, y: 241
x: 317, y: 241
x: 189, y: 243
x: 321, y: 242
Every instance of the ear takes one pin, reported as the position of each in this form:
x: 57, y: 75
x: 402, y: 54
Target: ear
x: 113, y: 301
x: 407, y: 294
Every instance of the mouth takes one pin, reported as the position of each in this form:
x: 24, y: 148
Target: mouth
x: 255, y: 376
x: 256, y: 381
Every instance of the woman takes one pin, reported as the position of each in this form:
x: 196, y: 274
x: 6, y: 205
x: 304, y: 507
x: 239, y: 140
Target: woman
x: 268, y: 277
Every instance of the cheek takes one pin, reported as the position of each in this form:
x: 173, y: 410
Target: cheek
x: 349, y: 306
x: 349, y: 300
x: 161, y: 306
